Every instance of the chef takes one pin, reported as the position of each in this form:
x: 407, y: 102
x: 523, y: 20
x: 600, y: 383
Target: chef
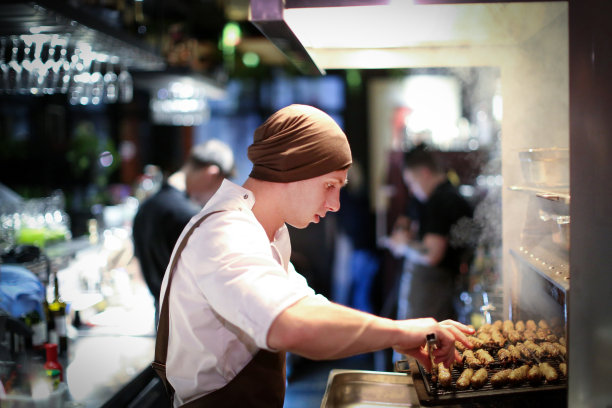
x: 232, y: 303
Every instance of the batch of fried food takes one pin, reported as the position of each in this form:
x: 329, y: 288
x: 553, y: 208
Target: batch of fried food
x: 507, y: 354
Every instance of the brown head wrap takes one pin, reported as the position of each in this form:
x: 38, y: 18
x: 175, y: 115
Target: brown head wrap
x: 296, y: 143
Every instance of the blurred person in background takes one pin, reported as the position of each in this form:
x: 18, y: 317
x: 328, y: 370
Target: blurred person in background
x: 423, y: 237
x: 162, y: 216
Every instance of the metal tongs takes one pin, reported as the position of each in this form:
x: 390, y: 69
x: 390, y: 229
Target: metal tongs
x: 432, y: 344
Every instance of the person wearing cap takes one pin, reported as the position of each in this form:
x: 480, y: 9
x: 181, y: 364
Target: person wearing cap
x: 161, y: 217
x: 232, y: 302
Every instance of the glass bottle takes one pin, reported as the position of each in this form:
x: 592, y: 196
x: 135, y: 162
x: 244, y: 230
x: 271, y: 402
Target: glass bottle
x: 39, y: 328
x: 57, y: 309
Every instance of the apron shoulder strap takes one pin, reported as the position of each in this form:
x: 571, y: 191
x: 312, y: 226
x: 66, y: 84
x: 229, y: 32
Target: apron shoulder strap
x: 161, y: 341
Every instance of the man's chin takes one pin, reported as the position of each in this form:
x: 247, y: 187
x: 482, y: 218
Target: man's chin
x: 301, y: 225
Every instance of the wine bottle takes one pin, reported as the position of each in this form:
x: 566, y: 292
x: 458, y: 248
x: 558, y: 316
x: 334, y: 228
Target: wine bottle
x: 39, y: 328
x: 58, y: 313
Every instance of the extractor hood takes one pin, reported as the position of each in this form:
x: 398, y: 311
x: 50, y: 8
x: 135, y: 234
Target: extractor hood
x: 339, y: 34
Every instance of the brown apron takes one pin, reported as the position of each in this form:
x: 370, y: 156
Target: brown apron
x: 261, y: 384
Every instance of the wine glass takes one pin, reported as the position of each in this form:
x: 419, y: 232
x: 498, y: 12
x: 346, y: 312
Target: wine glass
x: 96, y: 83
x: 37, y: 68
x: 80, y: 85
x: 26, y: 64
x: 66, y: 69
x: 14, y: 67
x: 51, y: 66
x: 4, y: 68
x: 110, y: 81
x: 126, y: 85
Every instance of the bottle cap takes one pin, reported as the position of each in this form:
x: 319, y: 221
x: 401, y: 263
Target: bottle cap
x: 51, y: 349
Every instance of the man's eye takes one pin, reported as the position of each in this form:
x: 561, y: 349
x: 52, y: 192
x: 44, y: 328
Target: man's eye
x: 329, y: 186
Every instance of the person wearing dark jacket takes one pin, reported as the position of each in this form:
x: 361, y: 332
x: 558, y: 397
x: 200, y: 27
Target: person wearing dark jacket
x: 161, y: 217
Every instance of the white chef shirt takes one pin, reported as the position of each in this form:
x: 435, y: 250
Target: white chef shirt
x: 229, y: 286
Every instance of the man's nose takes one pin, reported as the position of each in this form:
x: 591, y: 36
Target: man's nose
x: 333, y: 204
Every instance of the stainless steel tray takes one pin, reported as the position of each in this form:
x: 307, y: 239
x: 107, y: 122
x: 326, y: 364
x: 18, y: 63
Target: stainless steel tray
x: 361, y: 388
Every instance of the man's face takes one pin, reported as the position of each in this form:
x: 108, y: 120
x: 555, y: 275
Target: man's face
x: 309, y: 200
x: 415, y: 179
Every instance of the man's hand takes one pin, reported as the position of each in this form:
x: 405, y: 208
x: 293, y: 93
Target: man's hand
x: 446, y: 332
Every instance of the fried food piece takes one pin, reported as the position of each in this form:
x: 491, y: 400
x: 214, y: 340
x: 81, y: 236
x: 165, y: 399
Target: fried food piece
x: 460, y: 346
x: 534, y: 375
x: 501, y: 378
x: 563, y: 369
x: 497, y: 325
x: 519, y: 326
x: 519, y: 375
x: 484, y: 357
x: 444, y: 376
x: 479, y: 378
x: 562, y: 349
x: 534, y: 348
x: 514, y: 336
x: 543, y: 325
x: 463, y: 382
x: 531, y: 325
x: 470, y: 359
x: 562, y: 341
x: 507, y: 327
x: 504, y: 356
x: 476, y: 342
x: 525, y: 353
x: 549, y: 349
x: 514, y: 353
x: 551, y: 338
x: 498, y: 338
x: 485, y: 337
x: 541, y: 334
x: 485, y: 328
x: 529, y: 335
x: 549, y: 372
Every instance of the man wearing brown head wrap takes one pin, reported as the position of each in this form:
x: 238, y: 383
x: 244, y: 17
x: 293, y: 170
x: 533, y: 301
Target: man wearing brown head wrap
x: 297, y: 143
x: 237, y: 303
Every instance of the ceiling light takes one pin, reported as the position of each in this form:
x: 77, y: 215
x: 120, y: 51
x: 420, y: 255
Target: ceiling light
x: 324, y: 34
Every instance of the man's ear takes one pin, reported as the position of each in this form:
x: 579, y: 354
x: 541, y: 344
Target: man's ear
x: 213, y: 169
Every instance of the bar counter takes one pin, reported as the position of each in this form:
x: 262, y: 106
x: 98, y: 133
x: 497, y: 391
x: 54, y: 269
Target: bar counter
x: 111, y: 326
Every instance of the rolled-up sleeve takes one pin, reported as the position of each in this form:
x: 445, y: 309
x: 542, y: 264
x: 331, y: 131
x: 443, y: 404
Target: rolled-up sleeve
x: 239, y: 276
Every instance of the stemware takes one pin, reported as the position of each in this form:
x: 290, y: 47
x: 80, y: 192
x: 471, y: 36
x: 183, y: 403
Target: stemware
x: 37, y: 69
x: 110, y: 81
x: 96, y: 83
x: 26, y: 65
x: 14, y: 67
x: 80, y: 86
x: 4, y: 68
x: 126, y: 85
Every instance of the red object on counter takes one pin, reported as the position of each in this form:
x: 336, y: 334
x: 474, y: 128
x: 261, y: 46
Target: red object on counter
x: 52, y: 367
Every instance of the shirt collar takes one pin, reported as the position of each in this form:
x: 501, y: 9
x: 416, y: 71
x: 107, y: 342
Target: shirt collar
x: 230, y: 196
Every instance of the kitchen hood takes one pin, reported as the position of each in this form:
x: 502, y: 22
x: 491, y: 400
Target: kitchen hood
x: 316, y: 35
